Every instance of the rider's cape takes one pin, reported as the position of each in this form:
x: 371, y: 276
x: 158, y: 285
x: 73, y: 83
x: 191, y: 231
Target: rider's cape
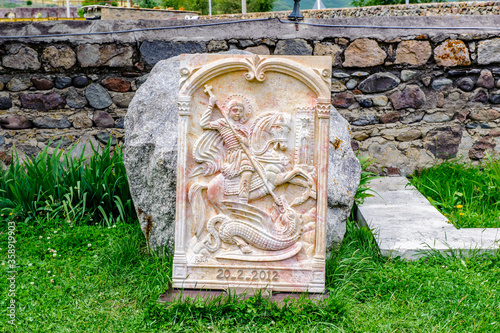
x: 209, y: 153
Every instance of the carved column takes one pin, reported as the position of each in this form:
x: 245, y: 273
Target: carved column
x: 179, y: 264
x: 323, y: 114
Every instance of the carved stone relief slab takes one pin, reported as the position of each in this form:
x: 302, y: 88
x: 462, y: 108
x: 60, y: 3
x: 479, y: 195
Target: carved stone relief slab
x: 252, y: 172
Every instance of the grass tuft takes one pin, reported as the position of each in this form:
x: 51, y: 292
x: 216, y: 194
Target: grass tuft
x: 468, y: 195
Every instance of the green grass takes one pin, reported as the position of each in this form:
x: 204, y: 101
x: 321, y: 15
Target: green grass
x: 98, y: 281
x: 114, y: 284
x: 468, y: 195
x: 91, y: 272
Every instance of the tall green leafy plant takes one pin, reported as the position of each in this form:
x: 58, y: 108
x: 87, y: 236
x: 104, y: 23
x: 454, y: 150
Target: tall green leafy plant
x: 76, y: 189
x: 366, y: 176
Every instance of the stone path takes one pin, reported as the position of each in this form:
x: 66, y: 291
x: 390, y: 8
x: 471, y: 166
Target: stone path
x: 405, y: 224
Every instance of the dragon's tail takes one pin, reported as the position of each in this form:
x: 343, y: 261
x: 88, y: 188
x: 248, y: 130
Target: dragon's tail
x: 214, y: 232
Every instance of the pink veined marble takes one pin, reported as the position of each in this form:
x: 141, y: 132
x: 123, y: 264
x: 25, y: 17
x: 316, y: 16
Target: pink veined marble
x: 252, y: 172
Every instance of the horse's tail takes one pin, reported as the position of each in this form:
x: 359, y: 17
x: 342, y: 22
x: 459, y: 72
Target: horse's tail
x: 214, y: 232
x: 197, y: 206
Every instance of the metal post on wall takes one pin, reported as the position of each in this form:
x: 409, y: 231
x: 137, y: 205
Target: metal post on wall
x: 243, y: 6
x: 210, y: 7
x: 296, y: 15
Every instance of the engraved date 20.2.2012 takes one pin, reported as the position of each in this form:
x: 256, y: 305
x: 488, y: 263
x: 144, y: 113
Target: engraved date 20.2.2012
x: 247, y: 275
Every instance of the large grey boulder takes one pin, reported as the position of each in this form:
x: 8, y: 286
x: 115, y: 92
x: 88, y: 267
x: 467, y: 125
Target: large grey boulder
x: 151, y: 159
x: 344, y: 173
x: 151, y: 152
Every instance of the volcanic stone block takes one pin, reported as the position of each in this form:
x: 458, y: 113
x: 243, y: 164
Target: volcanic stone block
x: 81, y: 81
x: 16, y: 122
x: 443, y: 142
x: 343, y: 100
x: 378, y: 82
x: 465, y: 83
x: 21, y: 57
x: 488, y: 51
x: 103, y: 119
x: 19, y: 83
x: 364, y: 52
x: 74, y: 99
x: 42, y: 84
x: 42, y: 102
x: 116, y: 84
x: 5, y: 103
x: 49, y: 122
x: 97, y: 96
x: 332, y: 50
x: 58, y: 57
x: 293, y: 47
x: 154, y: 51
x: 62, y: 82
x: 452, y: 53
x: 411, y: 97
x: 111, y: 55
x: 217, y: 46
x: 413, y: 52
x: 486, y: 79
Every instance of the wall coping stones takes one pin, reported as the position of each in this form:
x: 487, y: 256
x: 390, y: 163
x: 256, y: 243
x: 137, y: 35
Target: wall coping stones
x: 427, y: 9
x: 270, y: 29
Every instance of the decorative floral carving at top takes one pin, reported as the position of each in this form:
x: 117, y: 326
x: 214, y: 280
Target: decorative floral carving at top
x: 256, y: 69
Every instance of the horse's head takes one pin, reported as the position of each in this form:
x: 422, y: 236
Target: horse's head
x: 271, y: 130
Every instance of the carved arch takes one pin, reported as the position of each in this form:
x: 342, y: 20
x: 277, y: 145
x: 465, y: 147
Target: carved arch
x: 256, y: 68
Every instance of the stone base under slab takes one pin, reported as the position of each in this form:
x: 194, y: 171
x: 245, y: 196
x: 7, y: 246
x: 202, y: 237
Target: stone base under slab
x: 175, y: 294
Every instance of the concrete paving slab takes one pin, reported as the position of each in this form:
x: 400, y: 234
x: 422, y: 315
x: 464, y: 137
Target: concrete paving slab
x: 406, y: 225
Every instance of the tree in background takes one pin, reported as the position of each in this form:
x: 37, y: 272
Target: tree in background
x: 234, y: 6
x: 194, y: 5
x: 364, y: 3
x: 258, y: 6
x: 169, y: 4
x: 147, y: 3
x: 99, y: 2
x: 227, y: 6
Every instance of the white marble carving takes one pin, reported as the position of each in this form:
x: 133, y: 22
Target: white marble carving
x: 252, y: 172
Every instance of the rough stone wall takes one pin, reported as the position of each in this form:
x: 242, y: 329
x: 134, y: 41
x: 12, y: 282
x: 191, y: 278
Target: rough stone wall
x: 422, y: 9
x: 117, y: 13
x: 412, y: 97
x: 29, y: 12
